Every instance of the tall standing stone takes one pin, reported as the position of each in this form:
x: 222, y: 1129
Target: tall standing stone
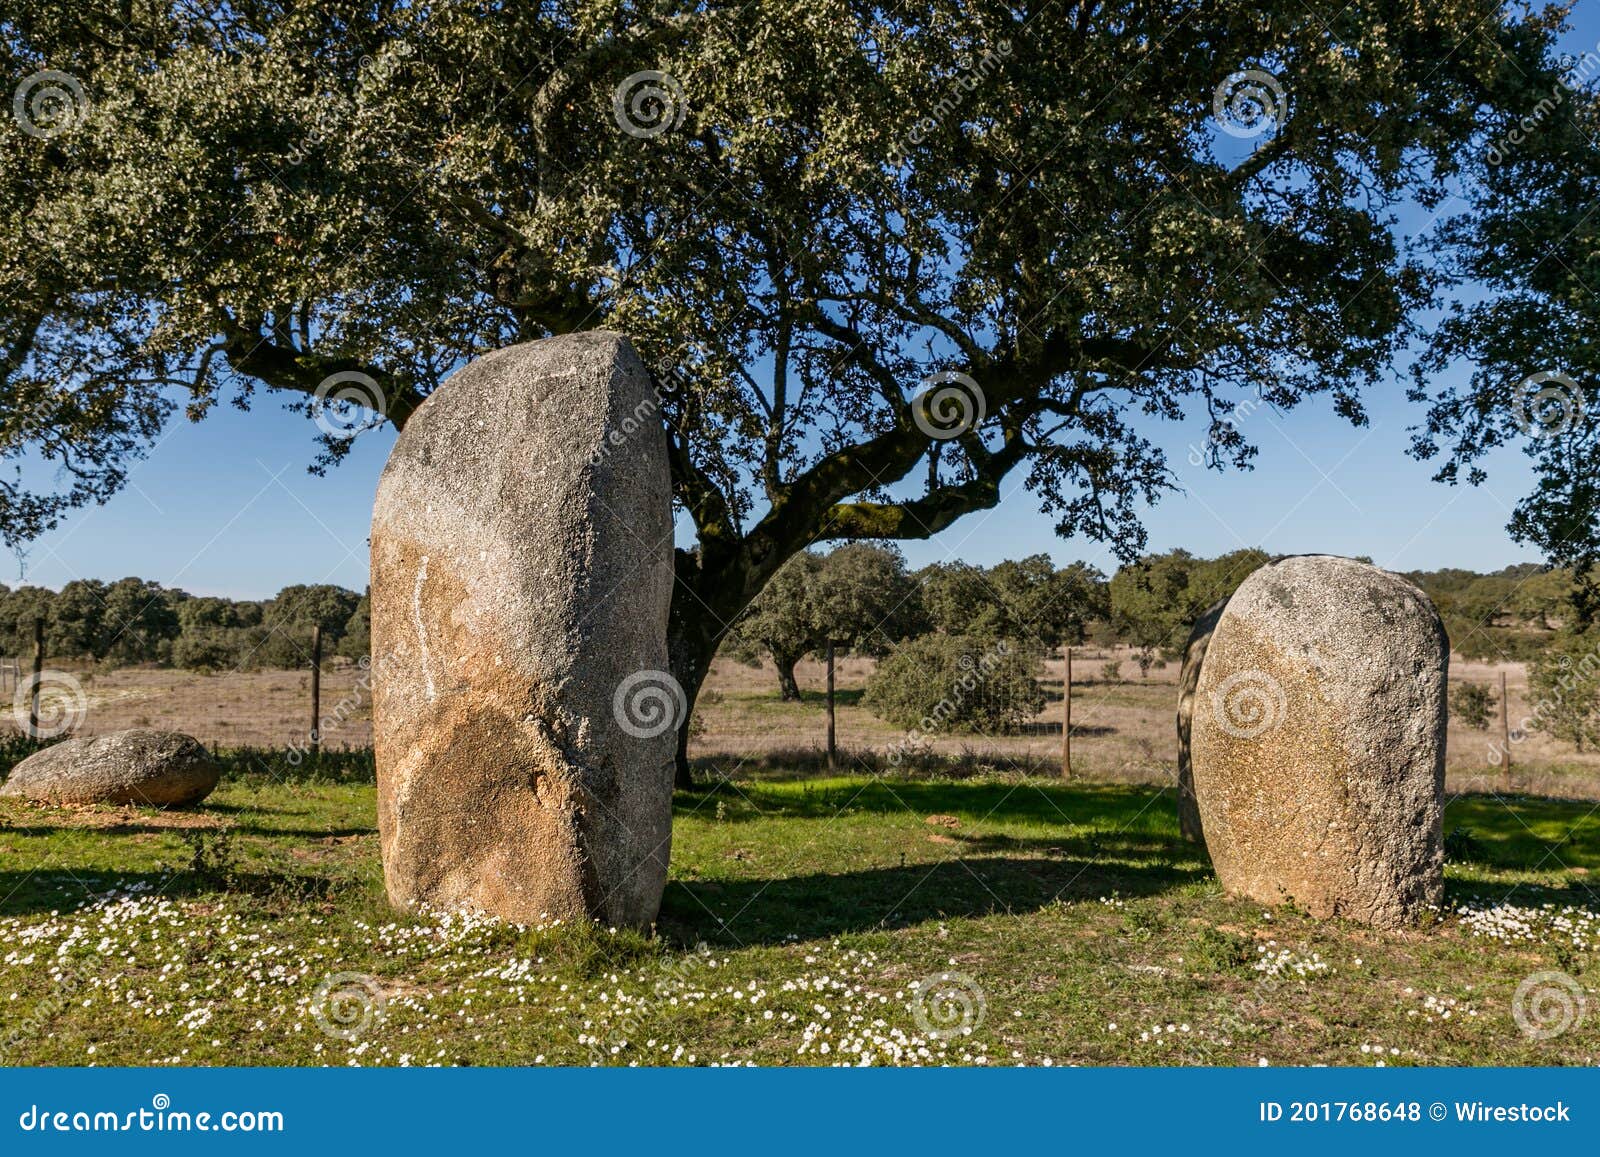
x: 523, y: 719
x: 1318, y: 738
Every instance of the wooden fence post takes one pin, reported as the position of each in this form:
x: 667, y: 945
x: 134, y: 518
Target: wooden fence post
x: 832, y: 745
x: 316, y: 690
x: 1505, y: 727
x: 38, y: 677
x: 1066, y: 719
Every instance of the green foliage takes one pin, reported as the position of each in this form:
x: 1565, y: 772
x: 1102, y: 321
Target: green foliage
x: 138, y: 624
x: 859, y: 597
x: 134, y: 621
x: 960, y: 683
x: 1471, y: 704
x: 1028, y: 601
x: 1526, y: 241
x: 15, y: 746
x: 821, y: 859
x: 862, y: 598
x: 1156, y: 601
x: 1511, y: 613
x: 357, y: 641
x: 1564, y: 682
x: 399, y: 188
x: 1462, y: 847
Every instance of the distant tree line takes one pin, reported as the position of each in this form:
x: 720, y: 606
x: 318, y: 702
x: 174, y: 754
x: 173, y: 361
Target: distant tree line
x: 1514, y: 613
x: 931, y: 625
x: 134, y: 621
x: 861, y: 597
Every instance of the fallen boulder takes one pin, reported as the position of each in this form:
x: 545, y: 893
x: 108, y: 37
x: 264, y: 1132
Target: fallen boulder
x: 142, y: 766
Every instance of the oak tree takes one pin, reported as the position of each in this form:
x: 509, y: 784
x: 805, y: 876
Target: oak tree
x: 887, y: 262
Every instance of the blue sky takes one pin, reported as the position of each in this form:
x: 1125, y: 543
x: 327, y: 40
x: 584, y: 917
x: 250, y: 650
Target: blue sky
x: 227, y: 507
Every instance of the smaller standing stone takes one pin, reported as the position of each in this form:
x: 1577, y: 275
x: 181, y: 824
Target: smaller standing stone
x: 1317, y: 741
x: 142, y: 766
x: 1194, y: 653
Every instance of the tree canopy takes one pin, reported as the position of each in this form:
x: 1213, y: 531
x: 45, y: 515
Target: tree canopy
x: 858, y: 596
x: 884, y: 260
x: 1156, y: 601
x: 1528, y: 240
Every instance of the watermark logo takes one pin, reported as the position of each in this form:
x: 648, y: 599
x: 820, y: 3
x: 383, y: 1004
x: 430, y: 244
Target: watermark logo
x: 346, y: 1004
x: 648, y: 104
x: 1547, y: 1004
x: 1576, y: 73
x: 1547, y: 403
x: 49, y: 704
x: 649, y: 704
x: 1248, y: 704
x: 49, y: 103
x: 1249, y: 102
x: 348, y: 402
x: 947, y: 405
x: 951, y: 98
x: 371, y: 71
x: 947, y: 1004
x: 975, y: 672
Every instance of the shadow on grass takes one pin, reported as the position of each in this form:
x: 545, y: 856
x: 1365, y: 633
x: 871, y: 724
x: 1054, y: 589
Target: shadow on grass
x: 34, y: 893
x: 138, y: 829
x: 820, y: 905
x: 1053, y: 727
x: 1526, y: 833
x: 1576, y: 893
x: 1102, y: 806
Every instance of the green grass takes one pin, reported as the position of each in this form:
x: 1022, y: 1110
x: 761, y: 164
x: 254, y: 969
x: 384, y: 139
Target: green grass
x: 800, y: 913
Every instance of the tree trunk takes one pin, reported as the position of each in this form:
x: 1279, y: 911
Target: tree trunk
x: 691, y: 645
x: 788, y: 688
x: 693, y: 634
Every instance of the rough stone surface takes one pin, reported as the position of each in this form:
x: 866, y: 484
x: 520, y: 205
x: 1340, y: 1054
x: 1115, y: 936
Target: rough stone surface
x: 1194, y: 653
x: 142, y: 766
x: 1318, y: 740
x: 521, y: 575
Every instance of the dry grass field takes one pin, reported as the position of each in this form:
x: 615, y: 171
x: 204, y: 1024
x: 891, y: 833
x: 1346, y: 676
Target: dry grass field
x: 1122, y: 728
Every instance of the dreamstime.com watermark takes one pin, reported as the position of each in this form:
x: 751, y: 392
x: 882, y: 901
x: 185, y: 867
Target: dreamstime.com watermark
x: 370, y: 70
x: 1547, y: 403
x: 1249, y: 704
x: 974, y: 673
x: 648, y: 104
x: 663, y: 384
x: 947, y: 405
x: 160, y: 1117
x: 648, y: 704
x: 346, y: 1004
x: 1548, y: 1004
x: 673, y: 978
x: 1578, y: 72
x: 49, y: 103
x: 49, y: 704
x: 947, y: 1005
x: 1203, y: 453
x: 331, y: 721
x: 970, y: 74
x: 1575, y: 676
x: 1249, y: 102
x: 348, y: 402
